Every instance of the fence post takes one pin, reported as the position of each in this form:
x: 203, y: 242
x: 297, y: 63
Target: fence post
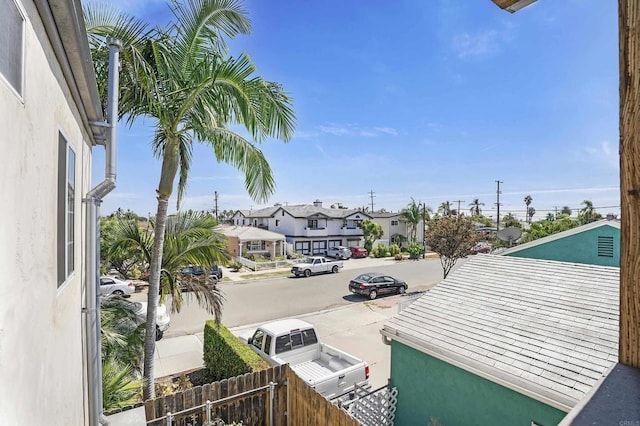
x: 169, y: 419
x: 272, y: 387
x: 208, y: 412
x: 287, y: 414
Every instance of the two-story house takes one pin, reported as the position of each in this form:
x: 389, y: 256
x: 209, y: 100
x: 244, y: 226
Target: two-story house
x: 308, y: 228
x: 394, y: 230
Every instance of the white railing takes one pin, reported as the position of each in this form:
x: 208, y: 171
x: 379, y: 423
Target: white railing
x: 408, y: 300
x: 269, y: 264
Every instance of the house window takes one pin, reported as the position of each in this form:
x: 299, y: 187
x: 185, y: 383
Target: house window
x: 318, y: 247
x: 394, y: 223
x: 605, y: 246
x: 11, y: 40
x: 66, y: 210
x: 312, y: 224
x: 256, y: 245
x: 303, y: 247
x: 277, y: 222
x: 243, y: 221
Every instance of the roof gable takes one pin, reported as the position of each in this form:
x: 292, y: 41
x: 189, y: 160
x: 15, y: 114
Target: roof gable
x: 563, y: 234
x: 545, y: 328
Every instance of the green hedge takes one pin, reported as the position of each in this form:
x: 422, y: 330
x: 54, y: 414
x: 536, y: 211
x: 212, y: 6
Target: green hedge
x: 227, y: 356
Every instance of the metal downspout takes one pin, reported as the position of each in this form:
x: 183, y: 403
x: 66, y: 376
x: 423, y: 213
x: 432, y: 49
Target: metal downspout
x: 93, y: 201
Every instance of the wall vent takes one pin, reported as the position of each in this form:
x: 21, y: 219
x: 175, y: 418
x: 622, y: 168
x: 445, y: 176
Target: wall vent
x: 605, y: 246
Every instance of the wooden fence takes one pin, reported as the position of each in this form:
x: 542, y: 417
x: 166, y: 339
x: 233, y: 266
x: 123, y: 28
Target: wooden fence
x: 248, y: 399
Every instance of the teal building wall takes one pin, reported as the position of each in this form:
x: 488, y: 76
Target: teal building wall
x: 429, y: 388
x: 578, y: 248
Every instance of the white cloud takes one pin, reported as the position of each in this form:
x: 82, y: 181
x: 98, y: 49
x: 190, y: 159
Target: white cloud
x: 354, y: 130
x: 604, y: 154
x: 481, y: 44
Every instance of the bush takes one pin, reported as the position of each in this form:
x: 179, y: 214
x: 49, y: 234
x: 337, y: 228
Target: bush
x: 394, y: 250
x: 236, y: 266
x: 381, y: 251
x: 415, y: 250
x: 398, y: 256
x: 227, y: 356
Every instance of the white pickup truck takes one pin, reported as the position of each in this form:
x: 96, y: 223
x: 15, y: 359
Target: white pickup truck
x: 330, y: 371
x: 316, y: 265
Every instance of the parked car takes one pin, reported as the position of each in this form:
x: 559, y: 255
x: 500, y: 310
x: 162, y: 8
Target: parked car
x: 338, y: 252
x: 372, y: 284
x: 358, y: 252
x: 113, y: 285
x: 162, y: 317
x: 214, y: 271
x: 481, y: 248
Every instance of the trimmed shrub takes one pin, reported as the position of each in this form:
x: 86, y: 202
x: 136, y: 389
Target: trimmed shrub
x: 398, y: 256
x: 415, y: 250
x: 394, y: 250
x: 227, y: 356
x: 380, y: 250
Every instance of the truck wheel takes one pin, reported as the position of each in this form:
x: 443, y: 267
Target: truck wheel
x: 307, y: 273
x: 334, y: 269
x: 373, y: 294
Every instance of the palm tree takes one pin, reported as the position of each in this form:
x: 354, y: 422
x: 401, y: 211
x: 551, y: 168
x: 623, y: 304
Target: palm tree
x: 587, y: 210
x: 527, y: 201
x: 566, y: 210
x: 182, y: 78
x: 445, y: 209
x: 475, y: 207
x: 191, y: 238
x: 412, y: 215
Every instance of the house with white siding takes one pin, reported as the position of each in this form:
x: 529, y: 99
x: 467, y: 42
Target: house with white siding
x: 308, y: 228
x: 51, y: 118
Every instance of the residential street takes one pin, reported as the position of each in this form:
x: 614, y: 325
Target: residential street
x: 256, y: 301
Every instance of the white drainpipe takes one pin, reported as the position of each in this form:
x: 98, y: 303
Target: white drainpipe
x: 92, y: 269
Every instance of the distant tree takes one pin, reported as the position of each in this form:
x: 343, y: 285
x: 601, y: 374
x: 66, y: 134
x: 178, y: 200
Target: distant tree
x: 475, y: 207
x: 550, y: 217
x: 445, y: 209
x: 588, y: 214
x: 530, y: 213
x: 371, y: 231
x: 527, y: 201
x: 412, y: 215
x: 486, y: 221
x: 566, y: 210
x: 452, y: 238
x: 382, y: 210
x: 545, y: 228
x: 510, y: 220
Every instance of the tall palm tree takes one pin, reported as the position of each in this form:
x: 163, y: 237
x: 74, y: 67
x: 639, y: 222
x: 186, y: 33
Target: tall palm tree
x: 182, y: 78
x: 475, y: 207
x: 587, y: 211
x: 527, y: 201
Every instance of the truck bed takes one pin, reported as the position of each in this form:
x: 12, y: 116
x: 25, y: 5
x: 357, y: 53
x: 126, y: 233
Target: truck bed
x: 318, y: 369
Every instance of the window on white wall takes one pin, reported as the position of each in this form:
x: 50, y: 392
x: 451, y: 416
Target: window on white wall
x: 11, y: 40
x: 66, y: 209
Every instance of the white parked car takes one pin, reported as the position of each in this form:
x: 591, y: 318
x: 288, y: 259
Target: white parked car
x: 112, y: 285
x: 338, y: 252
x: 162, y: 317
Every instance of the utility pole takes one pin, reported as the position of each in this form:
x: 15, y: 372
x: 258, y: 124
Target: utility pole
x: 458, y: 211
x: 216, y: 200
x: 371, y: 196
x: 498, y: 204
x: 424, y: 229
x: 555, y: 215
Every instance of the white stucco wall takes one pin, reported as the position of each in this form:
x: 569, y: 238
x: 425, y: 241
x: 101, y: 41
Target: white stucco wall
x: 41, y: 339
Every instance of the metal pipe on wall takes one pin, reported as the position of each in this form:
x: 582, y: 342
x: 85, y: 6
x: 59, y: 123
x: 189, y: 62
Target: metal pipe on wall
x: 92, y: 277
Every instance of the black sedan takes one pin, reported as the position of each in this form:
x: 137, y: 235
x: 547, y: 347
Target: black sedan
x: 371, y: 284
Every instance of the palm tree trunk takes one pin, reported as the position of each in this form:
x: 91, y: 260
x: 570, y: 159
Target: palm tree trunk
x: 153, y: 297
x: 165, y: 188
x: 629, y: 27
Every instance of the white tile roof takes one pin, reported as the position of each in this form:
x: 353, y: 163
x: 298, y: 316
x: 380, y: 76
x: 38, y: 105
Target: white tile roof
x: 251, y: 233
x: 544, y: 328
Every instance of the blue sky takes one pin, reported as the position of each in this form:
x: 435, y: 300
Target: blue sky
x: 432, y: 100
